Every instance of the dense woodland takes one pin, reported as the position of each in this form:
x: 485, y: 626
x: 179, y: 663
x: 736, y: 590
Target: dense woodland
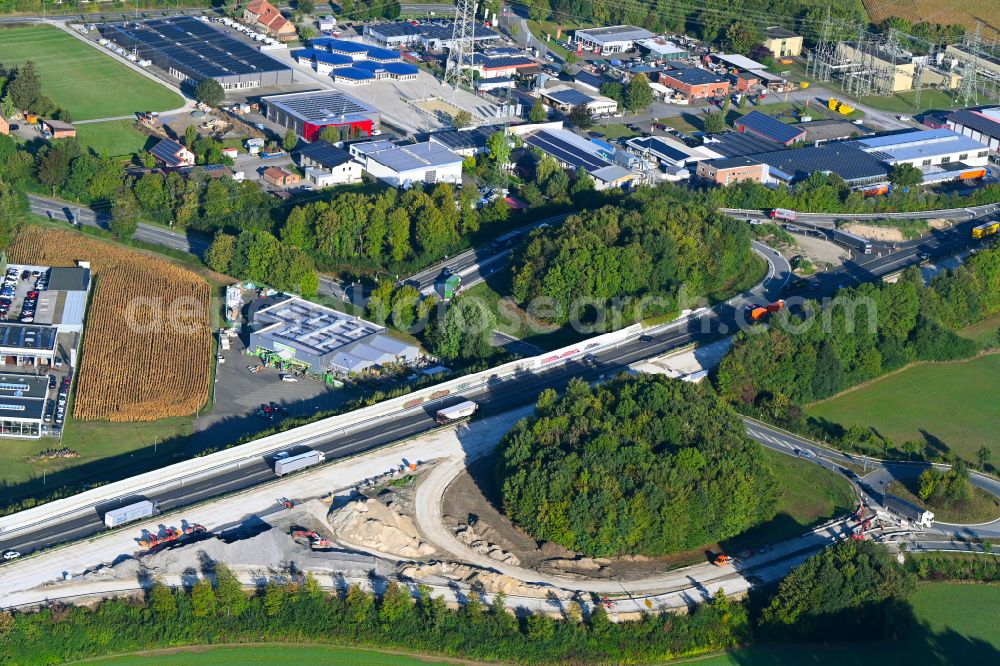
x: 644, y: 465
x: 651, y: 244
x: 861, y: 334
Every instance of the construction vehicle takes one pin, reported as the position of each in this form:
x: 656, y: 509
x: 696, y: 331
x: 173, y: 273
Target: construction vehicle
x: 782, y: 214
x: 840, y: 107
x: 127, y: 514
x: 170, y: 534
x: 285, y: 463
x: 462, y: 410
x: 316, y: 542
x: 985, y: 229
x: 864, y: 524
x: 286, y: 503
x: 722, y: 560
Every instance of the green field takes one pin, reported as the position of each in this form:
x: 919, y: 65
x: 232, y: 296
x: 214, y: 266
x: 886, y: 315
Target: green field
x: 80, y: 78
x: 953, y: 624
x: 904, y: 102
x: 277, y: 655
x: 986, y: 332
x: 810, y: 495
x: 949, y: 406
x: 113, y: 137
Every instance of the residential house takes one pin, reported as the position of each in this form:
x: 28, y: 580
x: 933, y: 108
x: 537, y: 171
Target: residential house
x: 265, y: 16
x: 169, y: 153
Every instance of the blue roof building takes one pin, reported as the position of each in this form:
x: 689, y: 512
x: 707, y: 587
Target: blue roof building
x: 769, y: 127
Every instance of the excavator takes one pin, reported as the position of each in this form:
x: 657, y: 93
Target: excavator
x: 170, y: 534
x: 864, y: 524
x: 316, y: 541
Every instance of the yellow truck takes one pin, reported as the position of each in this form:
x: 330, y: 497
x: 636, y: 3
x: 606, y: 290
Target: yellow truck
x: 985, y: 229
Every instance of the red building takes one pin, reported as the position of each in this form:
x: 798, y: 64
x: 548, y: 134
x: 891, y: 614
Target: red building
x: 310, y: 113
x: 695, y: 83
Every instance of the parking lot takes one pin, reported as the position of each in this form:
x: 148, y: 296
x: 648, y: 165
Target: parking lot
x: 240, y: 394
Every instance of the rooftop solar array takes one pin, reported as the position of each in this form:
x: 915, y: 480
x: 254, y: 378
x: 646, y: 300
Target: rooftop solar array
x: 440, y: 30
x: 195, y: 48
x: 694, y: 76
x: 474, y: 139
x: 976, y: 121
x: 565, y: 150
x: 589, y: 79
x: 847, y: 161
x: 167, y: 150
x: 734, y: 144
x: 325, y: 154
x: 770, y: 127
x: 660, y: 147
x: 322, y: 106
x: 570, y: 96
x: 415, y: 156
x: 310, y: 327
x: 21, y: 336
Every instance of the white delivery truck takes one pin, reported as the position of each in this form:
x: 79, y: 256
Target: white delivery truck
x: 462, y: 410
x: 285, y: 463
x: 127, y: 514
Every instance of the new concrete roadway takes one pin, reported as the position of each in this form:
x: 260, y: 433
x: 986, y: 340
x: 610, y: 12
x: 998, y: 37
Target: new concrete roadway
x: 719, y: 321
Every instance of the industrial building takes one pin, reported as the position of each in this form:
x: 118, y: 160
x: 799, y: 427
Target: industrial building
x: 565, y: 98
x: 326, y: 164
x: 324, y: 340
x: 669, y: 151
x: 433, y: 36
x: 501, y: 65
x: 782, y: 43
x: 353, y: 63
x: 611, y: 39
x: 310, y: 112
x: 769, y: 127
x: 27, y: 344
x: 465, y: 142
x: 730, y: 170
x: 574, y: 152
x: 695, y: 83
x: 662, y: 49
x: 982, y: 125
x: 191, y: 51
x: 940, y: 153
x: 843, y: 158
x: 22, y: 405
x: 403, y: 166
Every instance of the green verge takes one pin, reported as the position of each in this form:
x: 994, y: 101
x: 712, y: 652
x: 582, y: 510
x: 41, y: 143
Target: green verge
x: 275, y: 655
x: 114, y: 138
x: 80, y: 78
x: 949, y: 406
x: 952, y: 624
x: 982, y: 507
x: 986, y: 332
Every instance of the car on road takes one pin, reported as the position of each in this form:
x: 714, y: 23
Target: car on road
x: 11, y: 555
x: 923, y: 256
x: 590, y: 359
x: 289, y: 378
x: 645, y: 338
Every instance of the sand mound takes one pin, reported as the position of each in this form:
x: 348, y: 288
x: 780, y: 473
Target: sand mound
x: 370, y: 524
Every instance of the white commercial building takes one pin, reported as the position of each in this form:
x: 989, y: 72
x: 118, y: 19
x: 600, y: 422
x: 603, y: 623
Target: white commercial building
x: 611, y: 39
x: 933, y: 151
x: 326, y: 164
x: 402, y: 166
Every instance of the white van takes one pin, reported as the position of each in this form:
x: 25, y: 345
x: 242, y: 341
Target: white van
x: 289, y: 378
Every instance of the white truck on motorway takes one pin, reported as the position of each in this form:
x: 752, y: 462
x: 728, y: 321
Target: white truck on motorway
x: 285, y: 463
x: 127, y: 514
x: 462, y: 410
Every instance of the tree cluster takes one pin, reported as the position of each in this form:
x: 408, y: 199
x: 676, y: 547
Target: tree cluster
x: 861, y: 334
x: 555, y: 185
x: 942, y: 488
x: 828, y: 193
x: 951, y: 567
x: 299, y: 610
x: 21, y: 90
x: 645, y: 465
x: 368, y: 10
x: 650, y: 244
x: 854, y: 588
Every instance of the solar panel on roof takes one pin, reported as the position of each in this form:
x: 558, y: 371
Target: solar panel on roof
x: 565, y: 151
x: 770, y: 127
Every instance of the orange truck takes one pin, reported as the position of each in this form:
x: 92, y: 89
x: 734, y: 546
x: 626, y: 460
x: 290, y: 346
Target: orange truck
x: 761, y: 311
x: 721, y: 560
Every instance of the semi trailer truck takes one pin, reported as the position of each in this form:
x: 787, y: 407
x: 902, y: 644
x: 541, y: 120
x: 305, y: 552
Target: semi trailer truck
x: 462, y: 410
x: 285, y: 463
x: 128, y: 513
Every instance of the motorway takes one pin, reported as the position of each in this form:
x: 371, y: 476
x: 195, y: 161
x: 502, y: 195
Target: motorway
x: 719, y: 321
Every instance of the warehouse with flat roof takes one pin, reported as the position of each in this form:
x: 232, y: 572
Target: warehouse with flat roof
x: 22, y: 405
x: 310, y: 112
x: 325, y: 340
x: 192, y: 51
x: 611, y: 39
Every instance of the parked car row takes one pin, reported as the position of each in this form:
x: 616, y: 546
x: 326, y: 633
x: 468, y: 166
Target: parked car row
x: 9, y: 289
x: 57, y: 408
x: 271, y: 410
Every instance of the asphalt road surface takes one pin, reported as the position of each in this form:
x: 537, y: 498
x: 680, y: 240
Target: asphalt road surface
x: 717, y: 322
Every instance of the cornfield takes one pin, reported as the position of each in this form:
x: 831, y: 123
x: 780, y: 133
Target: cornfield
x: 940, y: 11
x: 147, y: 341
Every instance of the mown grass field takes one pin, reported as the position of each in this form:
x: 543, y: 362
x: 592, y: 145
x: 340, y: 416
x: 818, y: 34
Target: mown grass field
x: 276, y: 655
x: 953, y: 624
x: 113, y: 137
x: 949, y: 406
x: 80, y: 78
x: 939, y: 11
x: 810, y: 495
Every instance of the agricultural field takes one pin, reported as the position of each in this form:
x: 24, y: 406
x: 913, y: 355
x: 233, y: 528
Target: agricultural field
x: 952, y: 624
x: 113, y: 137
x: 80, y: 78
x: 939, y: 11
x: 948, y: 406
x: 147, y: 342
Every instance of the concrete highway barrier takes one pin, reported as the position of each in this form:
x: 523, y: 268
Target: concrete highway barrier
x: 948, y: 213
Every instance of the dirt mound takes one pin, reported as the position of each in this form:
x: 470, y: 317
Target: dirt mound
x: 889, y: 234
x: 467, y: 534
x: 370, y: 524
x: 491, y: 581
